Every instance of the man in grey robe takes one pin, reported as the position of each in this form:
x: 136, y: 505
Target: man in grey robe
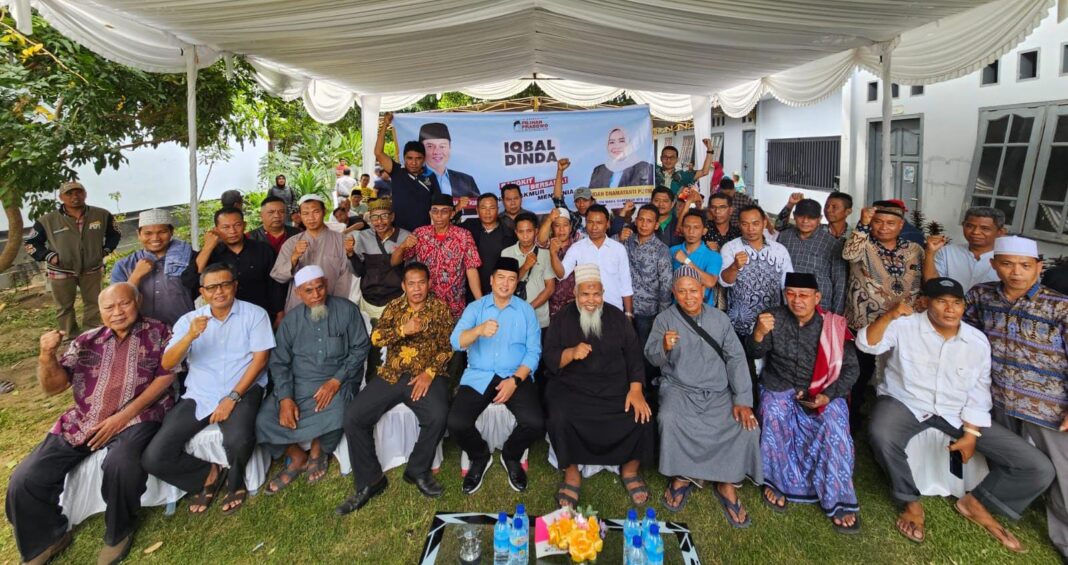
x: 708, y: 431
x: 317, y: 245
x: 316, y: 368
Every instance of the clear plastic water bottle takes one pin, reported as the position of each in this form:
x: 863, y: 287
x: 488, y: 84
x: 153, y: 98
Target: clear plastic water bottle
x: 502, y: 540
x: 521, y: 513
x: 519, y: 542
x: 635, y: 555
x: 631, y: 528
x: 647, y: 522
x: 654, y: 547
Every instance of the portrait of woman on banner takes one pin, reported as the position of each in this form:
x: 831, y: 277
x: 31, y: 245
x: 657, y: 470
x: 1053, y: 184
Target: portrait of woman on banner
x: 622, y: 167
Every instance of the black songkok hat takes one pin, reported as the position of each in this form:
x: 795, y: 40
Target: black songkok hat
x: 507, y: 264
x: 440, y: 199
x: 801, y: 280
x: 434, y: 130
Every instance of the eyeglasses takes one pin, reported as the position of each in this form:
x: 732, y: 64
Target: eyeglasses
x: 211, y: 288
x: 379, y: 216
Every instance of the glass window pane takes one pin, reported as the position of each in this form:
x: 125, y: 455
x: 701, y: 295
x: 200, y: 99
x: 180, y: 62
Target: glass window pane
x: 1012, y: 171
x: 977, y: 201
x: 1049, y: 218
x: 1055, y: 187
x: 1021, y: 129
x: 995, y: 130
x: 1061, y: 134
x: 1007, y: 206
x: 989, y: 162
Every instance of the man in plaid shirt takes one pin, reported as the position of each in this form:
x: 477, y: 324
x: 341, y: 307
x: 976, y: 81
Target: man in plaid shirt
x: 814, y: 250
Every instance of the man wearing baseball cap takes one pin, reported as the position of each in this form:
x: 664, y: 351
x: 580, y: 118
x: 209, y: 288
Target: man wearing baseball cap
x: 164, y: 269
x: 1027, y: 325
x: 73, y: 241
x: 938, y: 376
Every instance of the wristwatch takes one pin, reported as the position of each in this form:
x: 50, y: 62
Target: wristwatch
x: 687, y: 261
x: 234, y: 396
x: 517, y: 380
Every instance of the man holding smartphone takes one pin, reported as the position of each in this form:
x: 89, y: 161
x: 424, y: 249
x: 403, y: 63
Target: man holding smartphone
x: 938, y: 376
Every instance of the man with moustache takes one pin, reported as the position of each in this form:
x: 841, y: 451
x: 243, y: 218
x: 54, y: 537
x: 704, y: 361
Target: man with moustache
x: 969, y: 262
x: 707, y: 428
x: 490, y: 235
x: 369, y: 254
x: 814, y: 250
x: 251, y: 259
x: 164, y: 269
x: 598, y: 414
x: 938, y: 376
x: 276, y: 225
x: 316, y: 368
x: 316, y: 245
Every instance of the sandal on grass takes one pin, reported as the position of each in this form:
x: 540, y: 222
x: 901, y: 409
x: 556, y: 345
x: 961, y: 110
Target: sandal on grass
x: 633, y: 492
x: 770, y: 493
x: 1004, y: 537
x: 672, y: 493
x: 732, y: 509
x: 238, y: 497
x: 912, y: 530
x: 6, y: 387
x: 206, y: 496
x: 283, y: 479
x: 318, y: 464
x: 563, y: 499
x: 841, y: 528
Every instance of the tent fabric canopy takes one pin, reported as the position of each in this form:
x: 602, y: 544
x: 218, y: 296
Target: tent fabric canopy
x: 669, y: 54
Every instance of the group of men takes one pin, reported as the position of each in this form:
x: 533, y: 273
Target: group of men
x: 630, y: 338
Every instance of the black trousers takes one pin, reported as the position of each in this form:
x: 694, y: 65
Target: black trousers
x: 35, y: 486
x: 166, y: 458
x: 524, y: 405
x: 859, y: 393
x: 377, y: 398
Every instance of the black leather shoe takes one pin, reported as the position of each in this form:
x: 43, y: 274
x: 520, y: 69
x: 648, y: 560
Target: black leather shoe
x: 427, y: 484
x: 362, y: 497
x: 517, y: 477
x: 475, y: 473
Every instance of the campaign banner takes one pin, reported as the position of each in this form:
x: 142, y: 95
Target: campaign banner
x: 610, y: 150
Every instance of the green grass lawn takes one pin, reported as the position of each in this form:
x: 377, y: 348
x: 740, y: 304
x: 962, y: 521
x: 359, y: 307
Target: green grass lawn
x: 299, y: 526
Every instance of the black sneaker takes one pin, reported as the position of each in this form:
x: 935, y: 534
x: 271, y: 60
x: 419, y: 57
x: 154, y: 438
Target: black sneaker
x: 517, y: 477
x: 475, y: 473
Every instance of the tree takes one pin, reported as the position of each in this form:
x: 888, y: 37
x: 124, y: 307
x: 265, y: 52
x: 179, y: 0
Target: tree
x: 62, y: 106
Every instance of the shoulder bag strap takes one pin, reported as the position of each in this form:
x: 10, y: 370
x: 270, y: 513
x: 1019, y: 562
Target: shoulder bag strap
x: 701, y: 332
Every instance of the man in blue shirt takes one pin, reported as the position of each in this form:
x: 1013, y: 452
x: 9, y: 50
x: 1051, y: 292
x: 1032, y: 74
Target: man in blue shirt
x: 693, y: 252
x: 502, y: 338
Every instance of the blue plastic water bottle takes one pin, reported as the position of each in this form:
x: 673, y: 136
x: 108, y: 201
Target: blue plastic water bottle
x: 635, y: 554
x: 654, y: 547
x: 502, y: 540
x: 647, y: 522
x: 631, y: 528
x: 519, y: 542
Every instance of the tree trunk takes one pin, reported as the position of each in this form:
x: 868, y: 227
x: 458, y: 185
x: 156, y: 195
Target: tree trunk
x: 14, y: 237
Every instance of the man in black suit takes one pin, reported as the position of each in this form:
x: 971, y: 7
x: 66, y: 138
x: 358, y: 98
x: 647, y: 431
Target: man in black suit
x: 438, y: 143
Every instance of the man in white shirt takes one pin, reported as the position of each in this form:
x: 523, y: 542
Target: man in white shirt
x: 968, y: 264
x: 938, y: 376
x: 343, y: 186
x: 609, y: 255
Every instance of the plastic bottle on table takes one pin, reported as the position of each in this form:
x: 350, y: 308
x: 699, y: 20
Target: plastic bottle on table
x: 519, y: 542
x: 521, y: 513
x: 647, y: 522
x: 654, y: 547
x: 502, y: 540
x: 635, y: 555
x: 631, y: 528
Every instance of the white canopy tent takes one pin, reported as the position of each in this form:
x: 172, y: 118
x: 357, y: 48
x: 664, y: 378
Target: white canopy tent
x: 681, y: 57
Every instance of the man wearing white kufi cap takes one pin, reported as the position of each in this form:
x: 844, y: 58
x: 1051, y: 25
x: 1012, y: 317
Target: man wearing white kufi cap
x: 164, y: 269
x: 595, y: 400
x: 1027, y: 326
x: 316, y: 368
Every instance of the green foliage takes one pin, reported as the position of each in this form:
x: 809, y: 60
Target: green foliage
x: 312, y: 180
x: 252, y: 209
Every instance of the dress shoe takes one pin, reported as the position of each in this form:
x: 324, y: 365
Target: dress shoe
x: 52, y: 551
x: 475, y: 473
x: 362, y: 497
x: 427, y: 484
x: 517, y: 477
x: 112, y: 554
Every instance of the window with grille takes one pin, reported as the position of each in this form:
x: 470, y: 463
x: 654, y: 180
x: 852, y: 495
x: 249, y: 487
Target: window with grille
x: 810, y: 162
x: 1021, y: 168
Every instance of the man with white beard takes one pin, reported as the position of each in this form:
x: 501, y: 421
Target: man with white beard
x: 597, y: 410
x: 316, y: 369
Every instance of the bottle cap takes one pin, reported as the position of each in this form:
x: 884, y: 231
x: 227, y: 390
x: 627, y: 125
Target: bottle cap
x: 636, y: 541
x: 520, y: 508
x: 654, y: 530
x: 502, y: 517
x: 650, y: 513
x: 632, y: 514
x: 517, y: 523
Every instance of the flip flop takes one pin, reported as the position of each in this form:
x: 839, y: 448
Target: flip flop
x: 774, y: 507
x: 320, y: 463
x: 562, y: 497
x: 6, y: 387
x: 207, y: 496
x: 672, y: 493
x: 283, y: 479
x: 1001, y: 534
x: 913, y: 531
x: 842, y: 528
x: 238, y: 497
x: 633, y: 492
x: 736, y: 508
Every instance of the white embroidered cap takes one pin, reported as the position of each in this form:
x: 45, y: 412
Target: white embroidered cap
x: 1016, y: 245
x: 309, y: 273
x: 155, y: 217
x: 587, y: 272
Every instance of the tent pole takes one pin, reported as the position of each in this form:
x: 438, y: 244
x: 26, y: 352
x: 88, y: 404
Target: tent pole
x: 191, y: 125
x: 369, y: 107
x: 887, y: 125
x: 701, y: 106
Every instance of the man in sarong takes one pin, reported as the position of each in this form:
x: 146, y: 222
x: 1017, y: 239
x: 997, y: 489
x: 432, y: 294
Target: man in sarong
x: 597, y: 410
x: 316, y: 368
x: 708, y: 431
x: 810, y: 365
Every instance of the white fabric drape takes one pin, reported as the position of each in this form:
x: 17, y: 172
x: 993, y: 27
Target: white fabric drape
x: 799, y: 52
